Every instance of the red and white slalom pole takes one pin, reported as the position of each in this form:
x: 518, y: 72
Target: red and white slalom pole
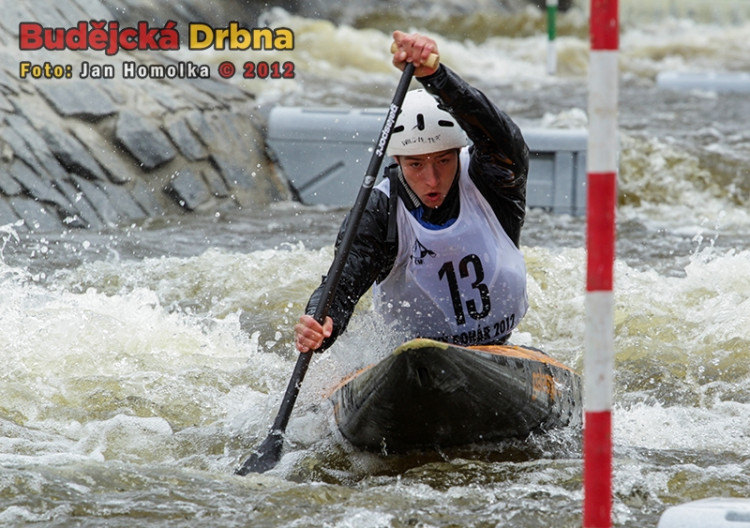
x: 600, y: 247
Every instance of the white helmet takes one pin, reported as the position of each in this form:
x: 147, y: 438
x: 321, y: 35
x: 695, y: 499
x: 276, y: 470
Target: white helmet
x: 421, y: 127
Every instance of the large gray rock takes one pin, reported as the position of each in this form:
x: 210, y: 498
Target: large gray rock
x: 86, y: 217
x: 36, y: 215
x: 144, y: 140
x: 73, y: 156
x: 185, y: 140
x: 7, y: 214
x: 145, y: 194
x: 189, y: 189
x: 32, y: 148
x: 9, y: 186
x: 77, y: 98
x: 39, y: 189
x: 101, y: 203
x: 104, y: 153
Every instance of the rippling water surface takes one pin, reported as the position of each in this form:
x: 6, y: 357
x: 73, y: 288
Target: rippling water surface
x: 141, y: 364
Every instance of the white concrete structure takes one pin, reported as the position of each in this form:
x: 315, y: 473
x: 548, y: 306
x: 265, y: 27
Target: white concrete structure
x: 324, y: 153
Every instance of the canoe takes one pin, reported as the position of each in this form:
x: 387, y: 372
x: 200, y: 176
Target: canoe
x: 429, y: 394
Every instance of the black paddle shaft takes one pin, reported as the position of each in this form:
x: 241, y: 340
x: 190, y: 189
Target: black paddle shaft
x: 269, y: 452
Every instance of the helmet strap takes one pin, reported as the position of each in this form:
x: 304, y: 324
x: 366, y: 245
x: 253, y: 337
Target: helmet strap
x: 413, y: 198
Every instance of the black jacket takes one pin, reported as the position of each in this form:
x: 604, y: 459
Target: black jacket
x: 498, y: 166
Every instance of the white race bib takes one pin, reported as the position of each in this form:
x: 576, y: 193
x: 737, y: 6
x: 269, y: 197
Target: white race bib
x: 463, y: 284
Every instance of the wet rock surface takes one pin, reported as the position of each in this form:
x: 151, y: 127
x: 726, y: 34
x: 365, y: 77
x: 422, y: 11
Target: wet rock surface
x: 97, y: 152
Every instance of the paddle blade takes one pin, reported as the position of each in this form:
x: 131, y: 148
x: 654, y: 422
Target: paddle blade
x: 265, y: 457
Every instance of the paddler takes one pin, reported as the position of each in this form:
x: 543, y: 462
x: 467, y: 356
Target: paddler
x: 439, y: 239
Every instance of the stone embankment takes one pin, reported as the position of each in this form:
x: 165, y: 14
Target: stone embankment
x: 97, y: 152
x: 99, y: 148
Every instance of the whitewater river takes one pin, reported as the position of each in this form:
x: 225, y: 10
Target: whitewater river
x: 142, y: 364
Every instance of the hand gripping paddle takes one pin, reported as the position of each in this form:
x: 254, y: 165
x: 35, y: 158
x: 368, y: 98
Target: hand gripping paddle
x: 267, y: 455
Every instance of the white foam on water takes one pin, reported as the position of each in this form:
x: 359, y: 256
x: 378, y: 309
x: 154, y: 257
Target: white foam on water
x: 647, y: 46
x: 114, y: 373
x: 716, y: 429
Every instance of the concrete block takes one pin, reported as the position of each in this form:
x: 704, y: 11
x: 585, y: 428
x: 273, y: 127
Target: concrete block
x: 324, y: 154
x: 720, y: 82
x: 714, y: 512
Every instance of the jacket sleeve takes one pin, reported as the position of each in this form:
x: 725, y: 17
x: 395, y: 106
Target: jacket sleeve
x: 370, y: 254
x: 499, y: 163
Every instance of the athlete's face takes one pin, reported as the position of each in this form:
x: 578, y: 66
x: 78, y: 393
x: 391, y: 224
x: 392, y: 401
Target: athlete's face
x: 430, y: 176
